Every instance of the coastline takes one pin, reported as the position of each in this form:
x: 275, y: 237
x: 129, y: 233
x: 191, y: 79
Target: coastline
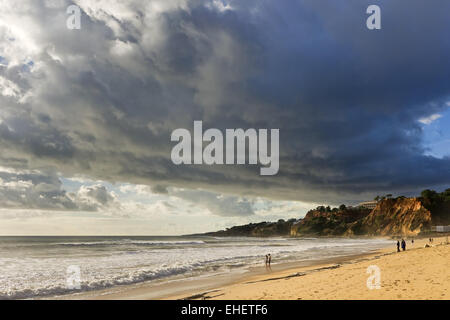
x: 183, y: 288
x: 418, y: 273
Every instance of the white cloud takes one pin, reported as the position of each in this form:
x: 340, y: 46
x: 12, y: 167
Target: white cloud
x: 428, y: 120
x: 93, y: 198
x: 44, y: 190
x: 220, y: 5
x: 282, y: 209
x: 9, y: 88
x: 135, y: 189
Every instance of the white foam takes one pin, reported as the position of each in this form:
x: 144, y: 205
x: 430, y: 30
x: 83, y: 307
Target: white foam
x: 40, y: 270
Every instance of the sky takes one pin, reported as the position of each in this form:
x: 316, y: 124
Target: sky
x: 86, y: 115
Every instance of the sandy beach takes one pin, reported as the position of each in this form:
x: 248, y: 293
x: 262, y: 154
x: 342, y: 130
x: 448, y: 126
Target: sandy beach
x: 418, y: 273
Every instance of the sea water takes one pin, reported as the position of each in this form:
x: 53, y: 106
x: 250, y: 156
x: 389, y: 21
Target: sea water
x: 33, y: 267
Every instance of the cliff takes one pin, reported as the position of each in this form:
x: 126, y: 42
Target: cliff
x: 401, y: 216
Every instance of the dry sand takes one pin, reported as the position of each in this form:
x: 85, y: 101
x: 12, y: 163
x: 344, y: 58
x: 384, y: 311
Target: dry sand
x: 417, y: 273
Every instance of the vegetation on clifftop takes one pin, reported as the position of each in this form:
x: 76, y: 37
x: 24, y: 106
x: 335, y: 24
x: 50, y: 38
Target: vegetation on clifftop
x: 262, y: 229
x: 438, y: 204
x: 328, y: 222
x: 392, y: 216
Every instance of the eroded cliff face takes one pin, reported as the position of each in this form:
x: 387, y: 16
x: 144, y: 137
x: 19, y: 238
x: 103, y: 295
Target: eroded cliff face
x: 401, y: 216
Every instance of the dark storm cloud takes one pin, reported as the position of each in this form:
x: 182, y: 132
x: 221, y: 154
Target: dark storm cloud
x: 160, y: 189
x: 102, y: 101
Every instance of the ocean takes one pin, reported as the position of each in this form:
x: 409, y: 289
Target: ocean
x: 35, y: 267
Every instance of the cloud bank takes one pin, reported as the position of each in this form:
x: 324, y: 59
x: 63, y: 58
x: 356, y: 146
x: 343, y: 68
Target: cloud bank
x: 43, y: 190
x: 102, y: 101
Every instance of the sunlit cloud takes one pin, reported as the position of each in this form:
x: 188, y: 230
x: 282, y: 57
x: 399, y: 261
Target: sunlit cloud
x: 430, y: 119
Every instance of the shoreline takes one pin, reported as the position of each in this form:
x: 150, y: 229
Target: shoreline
x: 190, y: 287
x: 418, y: 273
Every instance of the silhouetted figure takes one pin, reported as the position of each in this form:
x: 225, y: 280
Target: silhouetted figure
x: 267, y: 260
x: 270, y: 259
x: 398, y: 246
x: 403, y: 245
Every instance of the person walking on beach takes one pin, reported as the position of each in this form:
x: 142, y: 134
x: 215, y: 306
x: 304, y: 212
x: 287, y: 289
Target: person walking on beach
x: 398, y: 246
x: 403, y: 244
x: 267, y: 260
x: 270, y: 259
